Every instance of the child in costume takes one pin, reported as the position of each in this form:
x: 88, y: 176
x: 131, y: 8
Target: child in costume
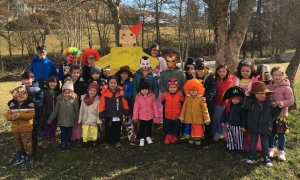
x: 71, y: 54
x: 79, y: 89
x: 209, y: 84
x: 112, y: 107
x: 223, y: 81
x: 189, y: 68
x: 88, y: 115
x: 21, y: 116
x: 264, y: 73
x: 244, y: 78
x: 66, y: 111
x: 172, y: 101
x: 283, y: 97
x: 124, y: 75
x: 236, y: 118
x: 194, y: 112
x: 89, y: 57
x: 96, y: 76
x: 145, y: 109
x: 260, y: 120
x: 50, y: 94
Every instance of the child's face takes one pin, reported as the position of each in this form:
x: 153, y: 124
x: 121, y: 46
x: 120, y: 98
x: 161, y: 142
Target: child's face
x: 106, y: 73
x: 27, y: 82
x: 52, y: 85
x: 191, y: 68
x: 172, y: 89
x: 246, y: 71
x: 222, y: 72
x: 95, y: 75
x: 75, y: 74
x: 144, y: 92
x: 235, y: 100
x: 92, y: 92
x: 67, y: 94
x: 21, y: 97
x: 193, y: 92
x: 70, y: 59
x: 124, y: 76
x: 277, y: 76
x: 260, y: 95
x: 200, y: 72
x: 112, y: 84
x: 90, y: 59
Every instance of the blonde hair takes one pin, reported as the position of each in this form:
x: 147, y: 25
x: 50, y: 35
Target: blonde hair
x: 278, y: 68
x: 73, y: 94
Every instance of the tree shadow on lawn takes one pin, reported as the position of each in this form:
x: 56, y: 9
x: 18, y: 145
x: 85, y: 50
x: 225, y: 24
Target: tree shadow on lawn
x: 155, y: 161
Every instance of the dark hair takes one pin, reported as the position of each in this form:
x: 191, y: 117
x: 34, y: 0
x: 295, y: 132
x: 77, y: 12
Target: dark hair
x: 27, y: 75
x: 153, y: 46
x: 53, y: 79
x: 74, y: 67
x: 248, y: 63
x: 222, y: 66
x: 112, y: 77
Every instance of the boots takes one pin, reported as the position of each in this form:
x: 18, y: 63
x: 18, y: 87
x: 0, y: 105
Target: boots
x: 45, y: 144
x: 53, y: 142
x: 18, y: 159
x: 281, y: 155
x: 271, y: 152
x: 91, y: 144
x: 168, y: 139
x: 85, y: 145
x: 175, y: 139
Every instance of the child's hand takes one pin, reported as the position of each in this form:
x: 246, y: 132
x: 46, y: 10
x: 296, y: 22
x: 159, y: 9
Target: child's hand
x: 164, y: 93
x: 121, y: 92
x: 181, y: 119
x: 273, y: 104
x: 203, y: 99
x: 135, y: 121
x: 31, y: 104
x: 67, y: 71
x: 207, y: 123
x: 11, y: 104
x: 136, y: 97
x: 222, y: 124
x: 243, y: 129
x: 153, y: 97
x: 280, y: 104
x: 247, y: 93
x: 48, y: 122
x: 15, y: 116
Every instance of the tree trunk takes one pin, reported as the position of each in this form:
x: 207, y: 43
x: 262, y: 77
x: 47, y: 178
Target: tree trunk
x: 157, y: 23
x: 245, y: 46
x: 229, y: 39
x: 292, y: 70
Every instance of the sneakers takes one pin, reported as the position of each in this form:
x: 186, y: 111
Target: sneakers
x: 271, y: 152
x: 118, y: 144
x: 45, y: 144
x: 29, y: 160
x: 268, y: 163
x: 68, y: 147
x: 281, y: 156
x: 142, y: 142
x: 250, y: 160
x: 53, y: 142
x: 18, y: 159
x: 217, y: 137
x: 107, y: 146
x: 149, y: 140
x: 63, y: 149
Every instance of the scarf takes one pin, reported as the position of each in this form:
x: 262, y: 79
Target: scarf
x: 87, y: 100
x: 261, y: 101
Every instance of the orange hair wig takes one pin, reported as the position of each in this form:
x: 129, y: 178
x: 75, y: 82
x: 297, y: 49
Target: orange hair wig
x: 89, y: 52
x: 194, y: 84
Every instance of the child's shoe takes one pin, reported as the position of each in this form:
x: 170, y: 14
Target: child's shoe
x: 92, y: 144
x: 18, y: 159
x: 45, y: 144
x: 271, y: 152
x: 168, y: 139
x: 281, y: 156
x: 250, y: 160
x: 68, y: 147
x: 62, y: 149
x: 175, y: 139
x: 107, y: 146
x: 268, y: 163
x: 118, y: 144
x: 149, y: 140
x: 85, y: 145
x: 53, y: 142
x: 217, y: 137
x: 142, y: 142
x: 29, y: 160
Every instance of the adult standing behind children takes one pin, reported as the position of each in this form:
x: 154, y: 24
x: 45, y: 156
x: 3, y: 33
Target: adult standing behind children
x: 41, y: 66
x: 89, y: 57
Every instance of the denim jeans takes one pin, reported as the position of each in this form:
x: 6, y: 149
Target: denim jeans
x: 112, y: 131
x: 264, y: 145
x: 65, y: 135
x: 173, y: 127
x: 281, y: 141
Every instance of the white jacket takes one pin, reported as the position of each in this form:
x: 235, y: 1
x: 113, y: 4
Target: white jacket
x: 89, y: 114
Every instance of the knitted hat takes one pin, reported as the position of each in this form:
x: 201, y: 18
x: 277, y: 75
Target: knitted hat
x: 144, y: 84
x: 173, y: 81
x: 68, y: 84
x: 95, y: 69
x: 94, y: 85
x: 259, y: 87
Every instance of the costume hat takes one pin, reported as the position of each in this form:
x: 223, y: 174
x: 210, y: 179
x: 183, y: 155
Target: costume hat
x: 264, y: 71
x: 200, y: 64
x: 95, y: 69
x: 233, y: 91
x: 144, y: 84
x: 18, y: 91
x: 136, y: 29
x: 124, y: 69
x: 259, y: 87
x: 41, y: 49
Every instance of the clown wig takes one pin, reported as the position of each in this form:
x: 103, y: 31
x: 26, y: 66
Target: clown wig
x: 193, y: 84
x: 73, y: 51
x: 89, y: 52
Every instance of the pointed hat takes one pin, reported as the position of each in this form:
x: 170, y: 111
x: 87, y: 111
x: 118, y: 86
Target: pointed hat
x: 136, y: 29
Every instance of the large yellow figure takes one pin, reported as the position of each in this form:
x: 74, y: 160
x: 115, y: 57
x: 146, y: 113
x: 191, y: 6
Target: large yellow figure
x: 127, y: 55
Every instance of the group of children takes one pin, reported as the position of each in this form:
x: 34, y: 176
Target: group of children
x: 196, y: 104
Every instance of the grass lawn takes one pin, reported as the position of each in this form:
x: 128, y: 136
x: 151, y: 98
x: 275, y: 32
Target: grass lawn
x: 156, y: 161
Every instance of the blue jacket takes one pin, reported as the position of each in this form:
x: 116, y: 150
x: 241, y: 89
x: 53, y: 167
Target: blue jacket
x: 128, y: 92
x: 236, y: 117
x: 151, y: 79
x: 42, y: 68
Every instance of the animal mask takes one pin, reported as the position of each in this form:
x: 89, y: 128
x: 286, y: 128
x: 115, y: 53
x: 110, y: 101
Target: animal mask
x: 171, y: 60
x: 145, y: 62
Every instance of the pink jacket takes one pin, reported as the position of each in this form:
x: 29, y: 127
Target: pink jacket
x: 284, y: 93
x: 145, y: 108
x: 236, y: 82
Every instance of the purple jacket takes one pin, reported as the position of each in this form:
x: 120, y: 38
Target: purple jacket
x: 284, y: 93
x: 145, y: 108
